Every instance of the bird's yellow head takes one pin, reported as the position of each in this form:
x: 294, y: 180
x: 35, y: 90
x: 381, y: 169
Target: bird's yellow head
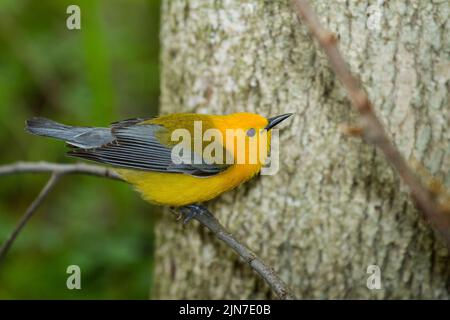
x: 239, y: 138
x: 247, y: 136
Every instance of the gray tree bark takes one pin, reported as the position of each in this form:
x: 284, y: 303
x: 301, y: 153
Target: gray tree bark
x: 335, y: 207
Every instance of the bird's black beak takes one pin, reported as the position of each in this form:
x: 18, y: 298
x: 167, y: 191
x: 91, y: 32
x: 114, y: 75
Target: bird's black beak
x: 276, y: 120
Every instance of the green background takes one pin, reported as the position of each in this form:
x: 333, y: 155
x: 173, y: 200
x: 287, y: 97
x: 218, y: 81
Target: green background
x: 104, y: 72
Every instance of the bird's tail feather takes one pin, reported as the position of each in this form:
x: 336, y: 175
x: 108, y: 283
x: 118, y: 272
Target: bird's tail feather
x: 81, y: 137
x: 48, y: 128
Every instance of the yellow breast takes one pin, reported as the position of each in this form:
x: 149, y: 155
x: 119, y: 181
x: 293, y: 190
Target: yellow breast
x: 177, y: 189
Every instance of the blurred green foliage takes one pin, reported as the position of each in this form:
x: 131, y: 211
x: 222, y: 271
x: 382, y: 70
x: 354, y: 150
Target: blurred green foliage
x: 104, y: 72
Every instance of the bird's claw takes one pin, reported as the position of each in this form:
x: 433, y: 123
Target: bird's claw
x: 191, y: 211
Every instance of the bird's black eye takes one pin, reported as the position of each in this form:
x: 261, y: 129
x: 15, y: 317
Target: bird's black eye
x: 251, y: 132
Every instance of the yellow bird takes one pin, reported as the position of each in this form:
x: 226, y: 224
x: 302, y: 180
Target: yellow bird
x: 142, y: 152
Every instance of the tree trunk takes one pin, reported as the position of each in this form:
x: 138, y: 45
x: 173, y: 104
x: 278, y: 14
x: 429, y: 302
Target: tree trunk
x: 335, y: 207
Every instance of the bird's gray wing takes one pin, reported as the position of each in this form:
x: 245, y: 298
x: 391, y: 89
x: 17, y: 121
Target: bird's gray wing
x: 135, y: 146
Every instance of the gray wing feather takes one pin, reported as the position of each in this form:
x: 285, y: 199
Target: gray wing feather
x: 136, y: 147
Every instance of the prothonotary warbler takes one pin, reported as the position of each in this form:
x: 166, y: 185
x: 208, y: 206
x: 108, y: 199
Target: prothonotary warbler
x: 175, y: 160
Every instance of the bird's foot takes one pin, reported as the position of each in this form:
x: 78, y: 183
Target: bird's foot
x: 191, y: 211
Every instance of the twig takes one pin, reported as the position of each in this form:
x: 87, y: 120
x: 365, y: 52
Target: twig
x: 57, y: 170
x: 207, y: 220
x: 372, y: 129
x: 39, y: 167
x: 29, y: 213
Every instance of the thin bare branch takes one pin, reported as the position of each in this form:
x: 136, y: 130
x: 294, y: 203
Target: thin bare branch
x: 57, y: 170
x: 39, y: 167
x: 266, y: 272
x: 29, y: 213
x: 371, y: 127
